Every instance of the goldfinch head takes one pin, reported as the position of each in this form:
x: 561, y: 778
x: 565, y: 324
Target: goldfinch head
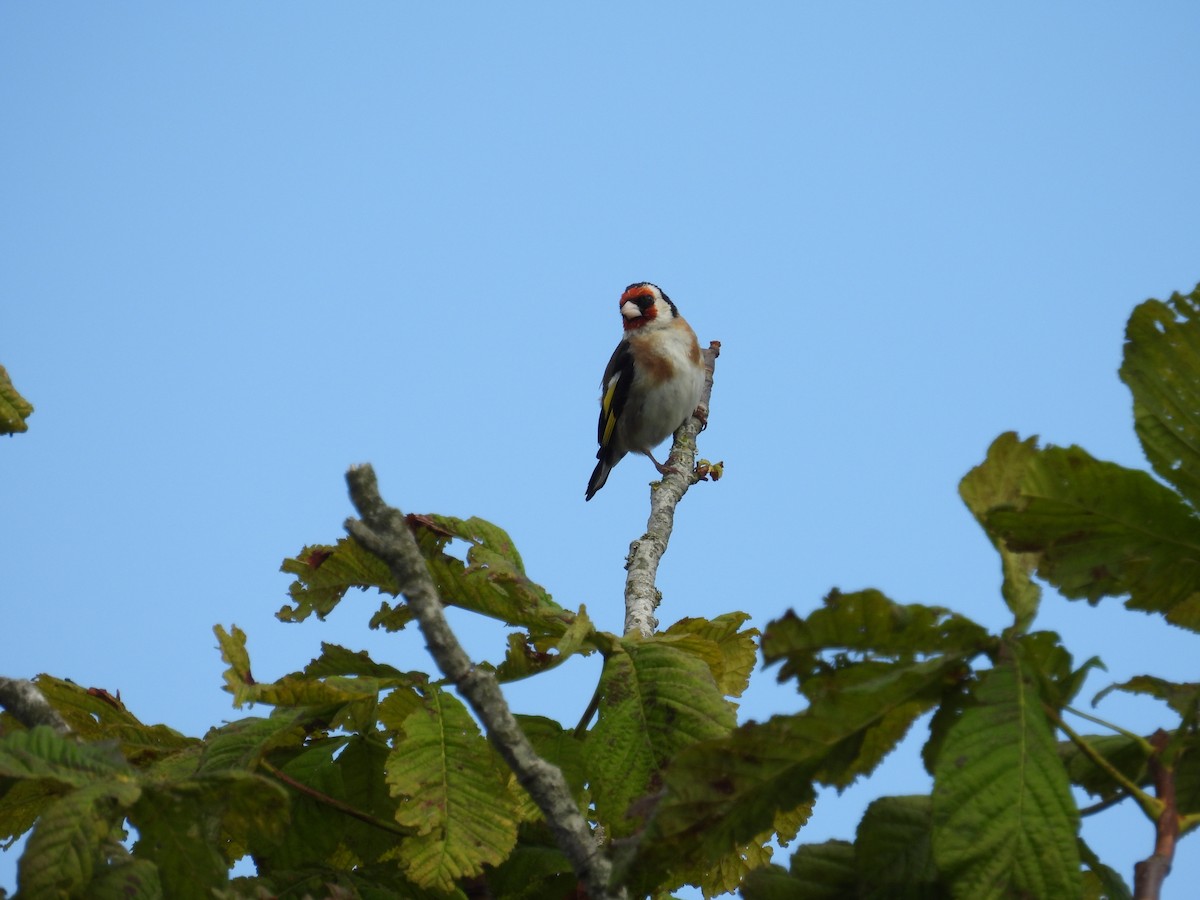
x: 645, y: 304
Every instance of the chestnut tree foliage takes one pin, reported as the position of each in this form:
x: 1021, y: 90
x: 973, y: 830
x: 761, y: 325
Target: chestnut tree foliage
x: 366, y: 780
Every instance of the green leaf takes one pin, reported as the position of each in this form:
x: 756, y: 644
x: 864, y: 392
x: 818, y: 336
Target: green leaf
x: 452, y: 787
x: 735, y: 649
x: 1182, y: 697
x: 324, y: 574
x: 134, y: 879
x: 559, y: 747
x: 818, y: 872
x: 1099, y: 881
x: 70, y: 841
x: 1004, y: 819
x: 181, y: 839
x: 14, y: 409
x: 1162, y: 369
x: 862, y: 629
x: 314, y: 829
x: 241, y: 744
x: 97, y: 716
x: 996, y: 482
x: 337, y: 660
x: 22, y: 801
x: 529, y: 653
x: 1104, y: 530
x: 184, y: 825
x: 534, y: 873
x: 1059, y: 683
x: 365, y: 788
x: 348, y: 701
x: 42, y: 753
x: 493, y: 580
x: 654, y: 700
x: 869, y: 666
x: 1127, y: 755
x: 894, y: 858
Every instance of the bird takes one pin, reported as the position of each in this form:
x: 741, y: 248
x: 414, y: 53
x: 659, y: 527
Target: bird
x: 652, y: 383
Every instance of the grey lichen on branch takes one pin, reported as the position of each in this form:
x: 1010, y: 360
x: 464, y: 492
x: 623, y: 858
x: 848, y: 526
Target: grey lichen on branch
x: 641, y: 593
x: 384, y: 531
x: 26, y: 703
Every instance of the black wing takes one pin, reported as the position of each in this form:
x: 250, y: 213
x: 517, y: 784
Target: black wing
x: 612, y: 400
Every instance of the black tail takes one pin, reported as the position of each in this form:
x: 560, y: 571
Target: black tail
x: 599, y: 476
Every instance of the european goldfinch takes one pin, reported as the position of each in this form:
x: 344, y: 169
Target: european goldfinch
x: 652, y: 383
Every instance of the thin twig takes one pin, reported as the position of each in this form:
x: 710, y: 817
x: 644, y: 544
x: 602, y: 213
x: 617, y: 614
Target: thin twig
x: 1101, y: 805
x: 1149, y: 874
x: 23, y: 699
x: 384, y: 531
x: 335, y: 803
x: 641, y: 593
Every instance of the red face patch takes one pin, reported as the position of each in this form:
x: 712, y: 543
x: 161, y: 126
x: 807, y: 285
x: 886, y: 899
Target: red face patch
x: 642, y: 297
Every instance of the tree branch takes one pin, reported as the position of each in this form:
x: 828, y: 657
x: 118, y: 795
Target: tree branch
x: 23, y: 699
x: 1149, y: 874
x: 384, y: 531
x: 641, y: 594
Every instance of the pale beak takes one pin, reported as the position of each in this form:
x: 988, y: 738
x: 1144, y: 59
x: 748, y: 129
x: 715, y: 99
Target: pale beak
x: 630, y: 310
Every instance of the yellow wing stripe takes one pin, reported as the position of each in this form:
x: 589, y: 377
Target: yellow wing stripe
x: 610, y: 420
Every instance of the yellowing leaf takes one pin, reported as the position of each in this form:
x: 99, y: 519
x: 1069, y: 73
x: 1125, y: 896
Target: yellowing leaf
x: 452, y: 788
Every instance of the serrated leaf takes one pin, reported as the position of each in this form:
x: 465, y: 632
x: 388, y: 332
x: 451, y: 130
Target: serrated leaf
x: 776, y: 883
x: 67, y: 845
x: 42, y: 753
x: 1057, y: 681
x: 997, y: 482
x: 22, y: 801
x: 654, y: 700
x: 559, y: 747
x: 337, y: 660
x: 869, y: 667
x: 397, y: 706
x: 346, y: 701
x: 1162, y: 369
x: 864, y: 628
x: 452, y: 789
x: 1004, y: 819
x: 1125, y: 754
x: 315, y: 829
x: 94, y: 717
x: 1100, y: 530
x: 1187, y: 775
x: 534, y: 873
x: 135, y: 879
x: 325, y: 573
x: 241, y: 744
x: 14, y: 409
x: 893, y: 851
x: 736, y: 650
x: 1182, y: 697
x: 492, y: 582
x: 817, y: 872
x: 721, y: 793
x: 530, y: 654
x: 180, y: 839
x: 365, y: 789
x: 1101, y: 882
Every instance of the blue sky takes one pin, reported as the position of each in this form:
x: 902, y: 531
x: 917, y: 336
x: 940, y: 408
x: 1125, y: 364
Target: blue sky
x: 248, y: 245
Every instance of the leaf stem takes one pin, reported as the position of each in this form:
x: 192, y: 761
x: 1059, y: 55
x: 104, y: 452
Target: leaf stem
x: 1095, y: 720
x: 334, y: 803
x: 1150, y: 806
